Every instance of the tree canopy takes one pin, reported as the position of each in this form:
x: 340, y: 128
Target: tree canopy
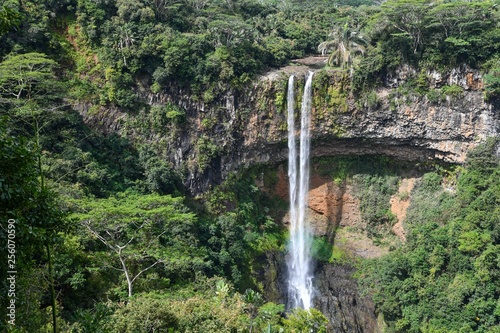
x: 103, y: 218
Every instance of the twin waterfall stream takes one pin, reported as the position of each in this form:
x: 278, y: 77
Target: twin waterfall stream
x: 300, y: 284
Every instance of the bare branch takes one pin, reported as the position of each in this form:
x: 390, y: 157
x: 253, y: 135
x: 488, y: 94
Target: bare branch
x: 98, y: 236
x: 145, y: 269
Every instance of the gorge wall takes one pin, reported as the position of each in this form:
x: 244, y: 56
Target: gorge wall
x: 334, y: 213
x: 245, y: 127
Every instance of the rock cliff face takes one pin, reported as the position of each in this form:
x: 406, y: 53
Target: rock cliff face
x: 406, y: 127
x: 247, y: 127
x: 334, y: 211
x: 339, y: 300
x: 337, y: 295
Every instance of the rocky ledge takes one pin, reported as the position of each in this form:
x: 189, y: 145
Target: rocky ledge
x: 386, y: 121
x: 246, y: 127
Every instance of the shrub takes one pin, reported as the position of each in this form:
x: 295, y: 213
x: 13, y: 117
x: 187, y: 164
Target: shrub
x: 144, y: 315
x: 453, y: 90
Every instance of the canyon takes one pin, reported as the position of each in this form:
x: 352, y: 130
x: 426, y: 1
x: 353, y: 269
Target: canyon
x: 246, y: 127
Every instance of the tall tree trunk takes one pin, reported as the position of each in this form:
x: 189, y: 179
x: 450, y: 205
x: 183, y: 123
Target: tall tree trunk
x: 127, y: 274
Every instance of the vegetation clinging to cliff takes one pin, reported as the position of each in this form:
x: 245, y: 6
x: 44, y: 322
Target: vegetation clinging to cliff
x: 445, y: 278
x: 430, y: 35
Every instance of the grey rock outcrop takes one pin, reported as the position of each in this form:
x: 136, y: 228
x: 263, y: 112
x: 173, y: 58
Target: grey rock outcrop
x: 340, y: 301
x: 411, y: 128
x: 247, y: 127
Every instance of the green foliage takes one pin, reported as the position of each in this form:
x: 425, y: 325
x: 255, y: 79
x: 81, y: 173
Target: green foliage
x: 430, y: 182
x: 453, y: 90
x: 163, y: 118
x: 330, y: 94
x: 425, y: 34
x: 356, y: 2
x: 371, y: 68
x: 144, y: 315
x: 141, y: 232
x: 374, y: 193
x: 18, y: 173
x: 92, y: 320
x: 37, y: 222
x: 160, y: 176
x: 369, y: 100
x: 101, y: 53
x: 27, y: 76
x: 323, y: 250
x: 10, y: 17
x: 280, y: 100
x: 342, y: 167
x: 151, y: 227
x: 269, y: 316
x: 207, y: 305
x: 203, y: 46
x: 343, y: 45
x: 215, y: 307
x: 421, y: 82
x: 243, y: 227
x: 445, y: 277
x: 408, y: 19
x: 492, y: 81
x: 306, y: 321
x: 435, y: 96
x: 206, y: 151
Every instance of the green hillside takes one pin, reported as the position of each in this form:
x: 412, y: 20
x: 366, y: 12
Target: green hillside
x: 108, y: 236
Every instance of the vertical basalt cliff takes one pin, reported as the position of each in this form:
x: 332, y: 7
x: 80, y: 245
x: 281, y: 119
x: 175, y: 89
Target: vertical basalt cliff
x: 334, y: 210
x: 337, y: 295
x: 246, y: 127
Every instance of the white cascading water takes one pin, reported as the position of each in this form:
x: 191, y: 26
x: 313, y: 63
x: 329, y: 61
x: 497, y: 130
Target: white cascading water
x: 300, y: 288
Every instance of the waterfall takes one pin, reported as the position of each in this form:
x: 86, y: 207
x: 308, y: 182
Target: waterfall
x: 300, y: 289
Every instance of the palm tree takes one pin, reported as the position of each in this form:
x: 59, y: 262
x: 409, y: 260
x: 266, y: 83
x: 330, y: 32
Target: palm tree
x: 344, y: 44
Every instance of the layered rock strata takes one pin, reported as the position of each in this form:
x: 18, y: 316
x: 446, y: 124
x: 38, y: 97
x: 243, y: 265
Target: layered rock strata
x: 248, y: 127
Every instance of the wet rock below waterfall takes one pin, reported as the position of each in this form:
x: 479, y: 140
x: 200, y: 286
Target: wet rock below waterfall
x: 338, y: 298
x: 337, y: 294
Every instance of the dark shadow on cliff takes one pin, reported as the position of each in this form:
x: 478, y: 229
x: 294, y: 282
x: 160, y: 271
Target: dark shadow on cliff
x: 335, y: 214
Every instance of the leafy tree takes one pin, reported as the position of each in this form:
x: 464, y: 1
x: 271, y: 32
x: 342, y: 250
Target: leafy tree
x: 30, y: 91
x: 242, y: 227
x: 492, y: 82
x: 144, y: 315
x: 160, y: 176
x: 408, y: 18
x: 206, y: 305
x: 230, y: 32
x: 28, y: 77
x: 306, y: 321
x: 269, y: 316
x: 456, y: 18
x: 445, y: 277
x: 253, y: 300
x: 143, y: 232
x: 37, y: 222
x: 9, y: 17
x: 28, y: 85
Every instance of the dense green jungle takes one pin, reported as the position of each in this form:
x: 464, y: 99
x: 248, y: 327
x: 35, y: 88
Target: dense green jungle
x: 108, y: 236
